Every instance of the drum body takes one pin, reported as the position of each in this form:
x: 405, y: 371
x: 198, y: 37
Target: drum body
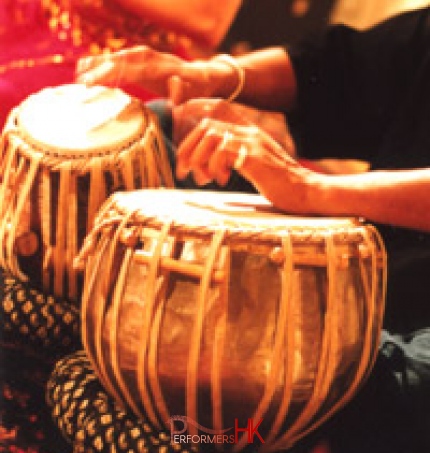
x: 64, y: 150
x: 214, y: 308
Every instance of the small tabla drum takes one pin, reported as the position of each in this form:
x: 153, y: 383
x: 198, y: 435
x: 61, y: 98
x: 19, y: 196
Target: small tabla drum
x: 64, y: 150
x: 215, y: 309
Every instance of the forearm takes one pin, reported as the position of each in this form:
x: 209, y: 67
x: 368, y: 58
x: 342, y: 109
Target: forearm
x: 269, y: 79
x: 399, y: 198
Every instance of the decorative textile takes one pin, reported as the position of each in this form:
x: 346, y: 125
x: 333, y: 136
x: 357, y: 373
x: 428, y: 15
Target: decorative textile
x: 90, y: 419
x: 37, y: 322
x: 36, y: 330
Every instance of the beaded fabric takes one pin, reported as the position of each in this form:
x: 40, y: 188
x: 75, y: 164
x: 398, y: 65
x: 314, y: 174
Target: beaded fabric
x: 69, y: 29
x: 36, y: 330
x: 102, y: 25
x: 91, y: 420
x: 37, y: 322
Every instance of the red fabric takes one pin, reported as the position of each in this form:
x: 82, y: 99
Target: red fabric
x: 22, y: 41
x: 25, y: 37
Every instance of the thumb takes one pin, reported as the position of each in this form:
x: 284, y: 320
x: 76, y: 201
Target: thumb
x: 176, y: 90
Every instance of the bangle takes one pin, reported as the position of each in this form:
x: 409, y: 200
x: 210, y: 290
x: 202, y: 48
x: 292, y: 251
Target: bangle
x: 228, y: 59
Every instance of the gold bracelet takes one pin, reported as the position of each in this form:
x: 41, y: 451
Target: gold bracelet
x: 228, y: 59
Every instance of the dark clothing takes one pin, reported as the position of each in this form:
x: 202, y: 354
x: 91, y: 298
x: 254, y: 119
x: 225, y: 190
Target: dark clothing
x: 366, y: 95
x: 391, y: 413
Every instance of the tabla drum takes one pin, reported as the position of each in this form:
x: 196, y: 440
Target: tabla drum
x: 217, y: 310
x: 64, y: 150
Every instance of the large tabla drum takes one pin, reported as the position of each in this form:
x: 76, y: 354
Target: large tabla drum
x: 213, y: 308
x: 64, y: 150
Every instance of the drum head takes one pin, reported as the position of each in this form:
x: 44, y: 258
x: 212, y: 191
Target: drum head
x: 212, y: 210
x: 72, y: 119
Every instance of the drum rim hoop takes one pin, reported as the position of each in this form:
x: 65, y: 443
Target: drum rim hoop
x: 356, y: 231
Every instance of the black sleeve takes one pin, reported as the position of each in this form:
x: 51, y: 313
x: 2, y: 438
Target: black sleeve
x: 351, y: 83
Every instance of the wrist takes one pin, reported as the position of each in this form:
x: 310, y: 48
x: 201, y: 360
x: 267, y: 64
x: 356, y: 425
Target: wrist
x: 320, y: 195
x: 228, y: 76
x: 337, y: 195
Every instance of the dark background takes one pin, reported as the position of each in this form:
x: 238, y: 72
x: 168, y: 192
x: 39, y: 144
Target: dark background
x: 261, y: 23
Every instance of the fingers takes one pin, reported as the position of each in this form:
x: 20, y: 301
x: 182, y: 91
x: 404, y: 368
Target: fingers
x: 103, y: 69
x: 177, y: 89
x: 131, y: 55
x: 161, y: 73
x: 213, y: 148
x: 105, y: 72
x: 220, y: 161
x: 186, y: 149
x: 136, y: 65
x: 210, y: 152
x: 199, y: 160
x: 241, y: 157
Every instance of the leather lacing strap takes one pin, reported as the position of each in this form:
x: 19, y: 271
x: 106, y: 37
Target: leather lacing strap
x: 147, y: 332
x: 101, y: 304
x: 374, y: 297
x: 45, y: 203
x: 61, y: 229
x: 165, y: 246
x: 220, y: 340
x: 197, y: 331
x: 282, y: 357
x: 112, y: 335
x: 11, y: 212
x: 287, y: 332
x: 327, y: 361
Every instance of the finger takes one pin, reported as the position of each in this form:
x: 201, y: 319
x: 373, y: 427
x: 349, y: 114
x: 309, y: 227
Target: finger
x: 264, y: 166
x: 184, y: 121
x: 220, y: 162
x: 186, y: 149
x: 105, y: 72
x: 201, y: 177
x: 200, y: 158
x: 133, y: 54
x: 85, y: 64
x: 241, y: 157
x: 176, y: 90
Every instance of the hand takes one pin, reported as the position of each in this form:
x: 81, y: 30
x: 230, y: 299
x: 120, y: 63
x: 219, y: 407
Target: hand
x: 187, y: 115
x: 161, y: 73
x: 214, y: 148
